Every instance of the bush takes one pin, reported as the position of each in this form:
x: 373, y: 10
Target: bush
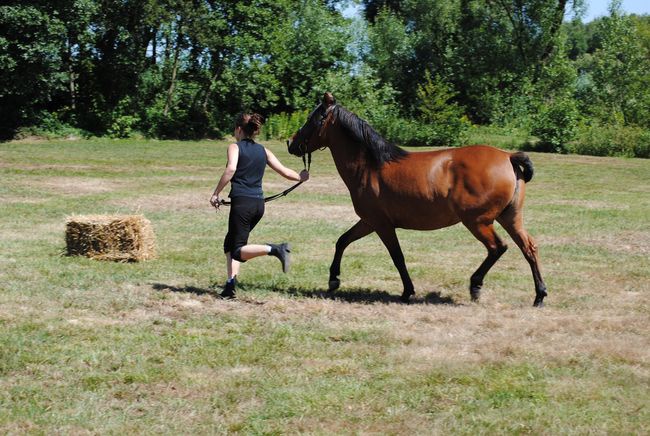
x: 401, y: 131
x: 122, y: 126
x: 611, y: 140
x: 50, y: 126
x: 415, y: 133
x: 283, y: 125
x: 443, y: 122
x: 555, y: 125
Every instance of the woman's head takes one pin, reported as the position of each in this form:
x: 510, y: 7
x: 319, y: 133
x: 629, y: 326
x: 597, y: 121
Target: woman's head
x: 250, y: 124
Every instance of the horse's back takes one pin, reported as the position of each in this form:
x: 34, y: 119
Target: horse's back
x: 427, y: 190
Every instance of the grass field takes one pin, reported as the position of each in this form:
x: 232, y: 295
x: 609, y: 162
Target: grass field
x: 96, y: 347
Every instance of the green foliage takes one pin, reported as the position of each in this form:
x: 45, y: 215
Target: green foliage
x: 122, y: 126
x: 123, y: 123
x: 619, y: 72
x: 283, y: 125
x: 417, y: 70
x: 611, y: 140
x: 443, y: 117
x: 30, y: 63
x: 555, y: 125
x: 50, y: 126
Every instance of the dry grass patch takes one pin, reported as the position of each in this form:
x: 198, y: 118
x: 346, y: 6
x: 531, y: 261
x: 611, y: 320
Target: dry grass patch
x: 172, y: 202
x: 429, y: 333
x: 317, y: 184
x: 629, y: 242
x: 311, y: 212
x: 69, y: 186
x: 588, y: 204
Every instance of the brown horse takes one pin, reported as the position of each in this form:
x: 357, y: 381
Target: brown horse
x: 392, y: 188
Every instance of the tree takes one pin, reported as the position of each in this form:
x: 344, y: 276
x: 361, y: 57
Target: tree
x: 620, y: 73
x: 31, y: 64
x: 487, y: 49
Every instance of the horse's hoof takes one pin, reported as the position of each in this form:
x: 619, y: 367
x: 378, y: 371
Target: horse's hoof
x: 539, y: 298
x: 475, y: 294
x: 333, y: 285
x: 405, y: 298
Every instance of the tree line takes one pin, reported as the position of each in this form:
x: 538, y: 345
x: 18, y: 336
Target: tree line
x: 421, y: 71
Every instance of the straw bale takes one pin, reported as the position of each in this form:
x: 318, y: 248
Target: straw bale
x: 122, y: 238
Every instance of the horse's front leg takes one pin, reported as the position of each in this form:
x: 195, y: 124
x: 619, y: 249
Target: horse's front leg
x: 358, y: 231
x: 389, y: 238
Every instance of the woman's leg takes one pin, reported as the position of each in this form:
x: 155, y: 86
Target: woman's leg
x: 232, y: 266
x: 254, y: 250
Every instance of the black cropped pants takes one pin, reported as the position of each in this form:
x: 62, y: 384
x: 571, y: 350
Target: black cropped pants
x: 245, y: 213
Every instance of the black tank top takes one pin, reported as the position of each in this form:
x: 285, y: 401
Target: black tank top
x: 247, y: 181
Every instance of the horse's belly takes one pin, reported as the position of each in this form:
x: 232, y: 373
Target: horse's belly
x: 426, y: 222
x: 416, y: 215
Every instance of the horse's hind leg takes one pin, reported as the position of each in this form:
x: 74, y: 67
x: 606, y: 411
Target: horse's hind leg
x: 512, y: 220
x: 485, y: 233
x: 358, y: 231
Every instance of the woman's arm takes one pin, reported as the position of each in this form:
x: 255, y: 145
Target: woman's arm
x: 285, y: 172
x: 231, y: 167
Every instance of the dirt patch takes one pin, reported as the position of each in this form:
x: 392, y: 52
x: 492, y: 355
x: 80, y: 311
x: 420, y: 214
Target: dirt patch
x: 13, y: 199
x: 312, y: 211
x: 589, y: 204
x: 32, y: 167
x: 430, y: 333
x: 177, y: 201
x: 77, y: 185
x: 630, y: 242
x: 315, y: 185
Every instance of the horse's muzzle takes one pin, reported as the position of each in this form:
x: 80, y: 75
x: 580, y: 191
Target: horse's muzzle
x: 294, y: 148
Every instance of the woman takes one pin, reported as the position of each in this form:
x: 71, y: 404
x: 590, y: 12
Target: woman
x: 245, y: 170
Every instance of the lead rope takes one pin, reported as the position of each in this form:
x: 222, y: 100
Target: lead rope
x: 306, y: 163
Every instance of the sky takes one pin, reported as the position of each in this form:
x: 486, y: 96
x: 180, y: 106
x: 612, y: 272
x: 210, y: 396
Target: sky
x: 598, y: 8
x: 595, y: 8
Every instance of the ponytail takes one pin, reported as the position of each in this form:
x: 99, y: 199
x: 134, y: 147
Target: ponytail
x: 250, y: 123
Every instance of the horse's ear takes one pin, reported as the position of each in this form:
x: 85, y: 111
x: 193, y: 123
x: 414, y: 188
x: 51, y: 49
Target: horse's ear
x: 328, y: 100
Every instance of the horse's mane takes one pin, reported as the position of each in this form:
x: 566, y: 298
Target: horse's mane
x: 379, y: 150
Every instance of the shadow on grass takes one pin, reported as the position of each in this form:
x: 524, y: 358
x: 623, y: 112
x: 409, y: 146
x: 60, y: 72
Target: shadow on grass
x: 363, y: 296
x: 186, y: 289
x: 353, y: 295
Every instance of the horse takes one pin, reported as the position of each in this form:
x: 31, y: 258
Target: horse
x: 393, y: 188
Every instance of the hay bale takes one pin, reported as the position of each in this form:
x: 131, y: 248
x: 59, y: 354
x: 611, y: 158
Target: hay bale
x: 122, y: 238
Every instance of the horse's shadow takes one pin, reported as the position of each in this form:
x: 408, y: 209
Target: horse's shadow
x: 363, y: 295
x: 352, y: 295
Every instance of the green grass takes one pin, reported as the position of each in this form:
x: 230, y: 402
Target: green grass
x: 99, y: 347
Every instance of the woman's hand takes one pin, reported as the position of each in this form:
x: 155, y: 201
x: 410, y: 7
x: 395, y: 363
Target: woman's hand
x: 215, y: 201
x: 304, y: 175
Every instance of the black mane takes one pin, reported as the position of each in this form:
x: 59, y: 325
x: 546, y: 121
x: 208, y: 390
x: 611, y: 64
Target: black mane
x: 379, y: 150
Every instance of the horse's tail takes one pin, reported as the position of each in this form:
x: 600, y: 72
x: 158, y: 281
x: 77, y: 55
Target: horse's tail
x: 521, y: 162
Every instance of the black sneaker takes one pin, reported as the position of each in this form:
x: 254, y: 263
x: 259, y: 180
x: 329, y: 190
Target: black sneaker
x: 228, y: 292
x: 282, y: 252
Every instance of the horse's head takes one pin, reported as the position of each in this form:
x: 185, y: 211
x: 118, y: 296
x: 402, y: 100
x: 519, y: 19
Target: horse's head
x: 309, y: 137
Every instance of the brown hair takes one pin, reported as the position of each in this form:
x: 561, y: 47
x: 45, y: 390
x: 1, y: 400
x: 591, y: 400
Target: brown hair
x: 250, y: 123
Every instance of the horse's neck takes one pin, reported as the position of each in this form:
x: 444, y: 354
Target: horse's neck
x: 351, y: 161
